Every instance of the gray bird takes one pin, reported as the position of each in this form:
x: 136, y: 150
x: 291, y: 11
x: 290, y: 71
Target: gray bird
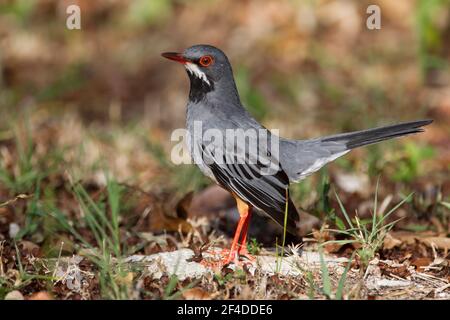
x: 257, y: 177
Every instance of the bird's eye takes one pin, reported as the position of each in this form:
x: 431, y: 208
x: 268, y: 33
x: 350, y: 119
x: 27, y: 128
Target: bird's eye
x: 205, y: 61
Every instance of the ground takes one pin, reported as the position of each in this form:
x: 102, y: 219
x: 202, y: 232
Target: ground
x: 91, y: 205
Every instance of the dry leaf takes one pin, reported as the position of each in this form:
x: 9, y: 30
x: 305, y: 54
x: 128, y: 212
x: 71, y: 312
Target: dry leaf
x: 14, y: 295
x: 182, y: 207
x: 29, y: 247
x: 332, y: 247
x: 126, y: 279
x: 421, y: 263
x: 440, y: 242
x: 210, y: 201
x: 390, y: 242
x: 353, y: 183
x: 439, y: 264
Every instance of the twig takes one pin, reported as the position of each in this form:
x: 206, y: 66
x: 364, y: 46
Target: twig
x: 442, y: 288
x: 18, y: 197
x: 57, y: 261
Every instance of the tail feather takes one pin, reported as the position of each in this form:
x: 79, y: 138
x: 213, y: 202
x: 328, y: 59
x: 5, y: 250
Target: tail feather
x: 365, y: 137
x: 314, y: 154
x: 292, y: 218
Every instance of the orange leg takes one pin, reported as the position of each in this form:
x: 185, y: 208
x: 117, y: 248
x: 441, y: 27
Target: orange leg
x: 233, y: 255
x: 238, y: 248
x: 243, y: 251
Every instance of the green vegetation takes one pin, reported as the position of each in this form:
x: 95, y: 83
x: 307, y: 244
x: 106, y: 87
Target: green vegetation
x: 254, y: 247
x: 369, y: 235
x: 431, y: 37
x: 102, y: 218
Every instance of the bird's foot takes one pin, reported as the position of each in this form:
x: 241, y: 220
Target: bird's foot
x: 232, y: 256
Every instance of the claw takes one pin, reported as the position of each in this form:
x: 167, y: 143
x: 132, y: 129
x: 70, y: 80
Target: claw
x: 243, y: 252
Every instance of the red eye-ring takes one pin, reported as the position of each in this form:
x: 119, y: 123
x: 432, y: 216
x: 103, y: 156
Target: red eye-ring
x: 205, y: 61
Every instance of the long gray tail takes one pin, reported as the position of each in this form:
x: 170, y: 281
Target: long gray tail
x: 361, y: 138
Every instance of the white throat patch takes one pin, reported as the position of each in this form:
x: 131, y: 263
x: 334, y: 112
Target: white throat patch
x: 195, y: 70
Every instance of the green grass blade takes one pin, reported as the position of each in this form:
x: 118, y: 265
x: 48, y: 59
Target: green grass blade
x: 340, y: 288
x: 326, y: 283
x: 280, y: 260
x: 385, y: 216
x: 114, y: 202
x: 344, y: 211
x: 375, y: 209
x: 445, y: 204
x: 342, y: 242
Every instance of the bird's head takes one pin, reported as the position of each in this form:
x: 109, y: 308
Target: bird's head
x: 208, y: 69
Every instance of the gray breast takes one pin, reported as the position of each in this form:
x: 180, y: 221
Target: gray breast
x: 196, y: 118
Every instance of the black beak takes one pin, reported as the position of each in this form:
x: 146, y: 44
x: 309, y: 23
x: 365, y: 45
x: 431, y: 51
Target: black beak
x: 175, y: 56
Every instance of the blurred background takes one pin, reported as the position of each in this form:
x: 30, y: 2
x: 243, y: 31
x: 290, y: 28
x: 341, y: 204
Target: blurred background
x: 77, y: 103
